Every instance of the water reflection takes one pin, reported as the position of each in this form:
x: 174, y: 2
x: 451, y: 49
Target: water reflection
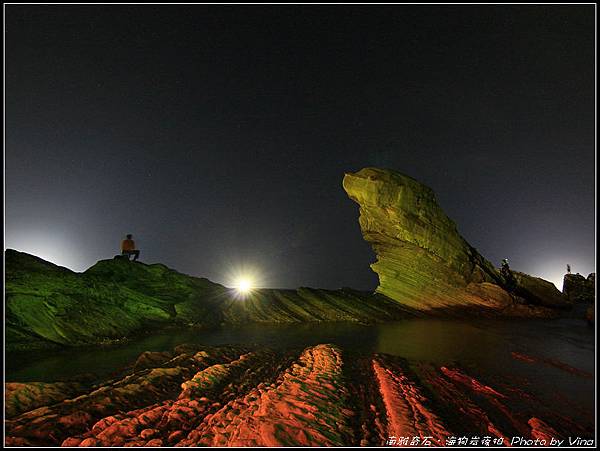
x: 484, y: 345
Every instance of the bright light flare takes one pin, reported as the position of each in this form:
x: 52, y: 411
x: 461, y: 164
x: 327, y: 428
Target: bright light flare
x: 244, y: 280
x: 244, y: 286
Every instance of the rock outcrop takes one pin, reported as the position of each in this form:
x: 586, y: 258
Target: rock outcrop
x: 322, y: 395
x: 114, y: 299
x: 423, y: 263
x: 422, y: 260
x: 538, y: 291
x: 582, y: 290
x: 579, y: 289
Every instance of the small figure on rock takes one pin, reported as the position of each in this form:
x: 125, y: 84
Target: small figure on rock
x: 509, y: 278
x: 128, y: 248
x: 568, y: 269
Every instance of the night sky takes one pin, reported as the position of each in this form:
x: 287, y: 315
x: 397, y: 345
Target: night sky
x: 218, y: 136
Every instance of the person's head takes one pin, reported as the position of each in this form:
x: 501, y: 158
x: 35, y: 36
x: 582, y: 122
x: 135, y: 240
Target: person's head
x: 129, y: 236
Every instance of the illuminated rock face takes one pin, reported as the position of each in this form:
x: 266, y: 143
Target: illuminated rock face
x: 47, y: 304
x: 317, y: 396
x: 422, y: 261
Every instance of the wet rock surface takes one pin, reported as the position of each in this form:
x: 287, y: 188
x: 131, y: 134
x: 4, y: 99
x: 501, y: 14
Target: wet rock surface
x: 321, y: 395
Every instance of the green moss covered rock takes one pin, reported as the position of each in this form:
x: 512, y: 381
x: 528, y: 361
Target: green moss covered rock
x: 115, y: 299
x: 46, y: 303
x: 422, y: 260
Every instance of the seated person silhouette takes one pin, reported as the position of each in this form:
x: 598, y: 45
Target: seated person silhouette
x: 128, y: 248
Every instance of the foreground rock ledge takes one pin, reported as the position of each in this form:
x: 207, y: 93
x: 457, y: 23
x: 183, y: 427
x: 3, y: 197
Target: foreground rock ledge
x: 322, y: 395
x: 422, y: 260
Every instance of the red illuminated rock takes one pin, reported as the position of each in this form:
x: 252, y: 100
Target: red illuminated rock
x: 304, y: 407
x: 540, y: 430
x: 551, y: 362
x: 405, y: 404
x: 319, y: 396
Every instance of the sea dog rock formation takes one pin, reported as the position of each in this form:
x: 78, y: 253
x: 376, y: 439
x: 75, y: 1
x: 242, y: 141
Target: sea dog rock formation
x: 422, y: 260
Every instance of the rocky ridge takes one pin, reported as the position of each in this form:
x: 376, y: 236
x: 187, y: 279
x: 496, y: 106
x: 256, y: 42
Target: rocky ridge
x: 49, y: 305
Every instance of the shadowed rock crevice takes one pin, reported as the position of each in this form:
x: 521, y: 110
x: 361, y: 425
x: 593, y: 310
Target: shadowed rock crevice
x: 370, y: 417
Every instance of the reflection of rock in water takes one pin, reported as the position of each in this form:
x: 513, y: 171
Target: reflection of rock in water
x: 319, y: 396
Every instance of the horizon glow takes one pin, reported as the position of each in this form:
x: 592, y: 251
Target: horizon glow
x: 245, y: 279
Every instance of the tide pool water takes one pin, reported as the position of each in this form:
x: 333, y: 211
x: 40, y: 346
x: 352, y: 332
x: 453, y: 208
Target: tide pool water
x: 553, y: 359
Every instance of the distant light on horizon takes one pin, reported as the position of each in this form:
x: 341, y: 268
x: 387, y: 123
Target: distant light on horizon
x: 50, y: 256
x: 243, y: 278
x: 55, y: 248
x: 558, y: 283
x: 58, y: 247
x: 230, y: 161
x: 554, y: 270
x: 244, y: 286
